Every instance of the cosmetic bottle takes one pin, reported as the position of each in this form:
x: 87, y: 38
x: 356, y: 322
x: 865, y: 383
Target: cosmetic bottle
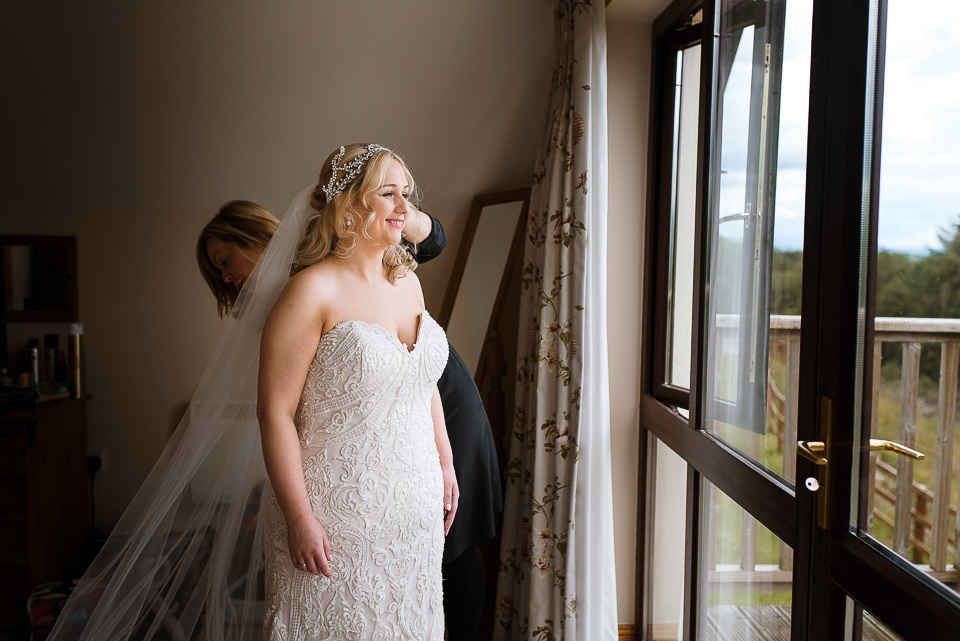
x: 75, y: 359
x: 51, y: 342
x: 33, y: 361
x: 60, y: 369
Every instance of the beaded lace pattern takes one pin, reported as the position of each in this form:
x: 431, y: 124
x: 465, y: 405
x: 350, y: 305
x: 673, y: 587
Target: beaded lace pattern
x: 373, y: 477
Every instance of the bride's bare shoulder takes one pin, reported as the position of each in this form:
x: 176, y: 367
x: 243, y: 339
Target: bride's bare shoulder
x: 410, y: 285
x: 315, y: 275
x: 311, y: 285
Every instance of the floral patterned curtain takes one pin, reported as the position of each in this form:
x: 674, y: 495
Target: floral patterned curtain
x: 556, y: 576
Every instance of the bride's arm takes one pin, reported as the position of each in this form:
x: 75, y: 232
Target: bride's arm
x: 287, y: 347
x: 451, y: 491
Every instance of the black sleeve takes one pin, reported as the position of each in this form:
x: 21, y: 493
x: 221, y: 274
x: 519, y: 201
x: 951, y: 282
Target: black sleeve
x: 433, y: 244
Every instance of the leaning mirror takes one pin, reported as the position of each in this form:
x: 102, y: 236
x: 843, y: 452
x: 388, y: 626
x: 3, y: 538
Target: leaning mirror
x: 480, y: 277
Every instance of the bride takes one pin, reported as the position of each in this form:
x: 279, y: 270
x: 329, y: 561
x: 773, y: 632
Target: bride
x: 362, y: 488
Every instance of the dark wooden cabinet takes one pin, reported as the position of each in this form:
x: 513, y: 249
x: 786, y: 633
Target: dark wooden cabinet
x: 44, y: 503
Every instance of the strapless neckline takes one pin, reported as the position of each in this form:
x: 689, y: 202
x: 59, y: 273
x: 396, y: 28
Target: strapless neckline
x: 345, y: 326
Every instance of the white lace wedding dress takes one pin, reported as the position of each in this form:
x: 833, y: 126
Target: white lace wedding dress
x: 373, y: 477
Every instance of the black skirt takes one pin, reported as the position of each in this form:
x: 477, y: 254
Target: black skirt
x: 474, y: 459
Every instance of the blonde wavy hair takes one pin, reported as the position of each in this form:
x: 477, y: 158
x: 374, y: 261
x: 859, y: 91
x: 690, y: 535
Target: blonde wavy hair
x: 337, y: 226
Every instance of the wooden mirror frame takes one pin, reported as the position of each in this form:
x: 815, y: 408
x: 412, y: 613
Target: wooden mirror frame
x: 481, y: 202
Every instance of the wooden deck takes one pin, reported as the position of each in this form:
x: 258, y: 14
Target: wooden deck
x: 768, y: 623
x: 923, y: 519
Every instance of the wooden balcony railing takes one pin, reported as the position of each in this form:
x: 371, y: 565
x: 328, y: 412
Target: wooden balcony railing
x: 924, y: 520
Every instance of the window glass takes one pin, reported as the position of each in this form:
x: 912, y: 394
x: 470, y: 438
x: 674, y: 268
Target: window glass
x: 756, y: 225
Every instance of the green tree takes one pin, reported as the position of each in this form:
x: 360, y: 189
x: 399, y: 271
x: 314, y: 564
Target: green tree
x: 897, y: 292
x: 920, y: 287
x: 941, y: 271
x: 787, y: 282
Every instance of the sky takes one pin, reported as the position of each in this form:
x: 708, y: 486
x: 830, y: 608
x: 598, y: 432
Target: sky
x: 920, y: 162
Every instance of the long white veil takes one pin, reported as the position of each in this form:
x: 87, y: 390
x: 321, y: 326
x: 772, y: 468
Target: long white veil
x: 185, y: 560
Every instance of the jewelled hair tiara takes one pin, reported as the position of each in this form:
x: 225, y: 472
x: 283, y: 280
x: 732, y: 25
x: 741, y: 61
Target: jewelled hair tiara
x: 350, y: 170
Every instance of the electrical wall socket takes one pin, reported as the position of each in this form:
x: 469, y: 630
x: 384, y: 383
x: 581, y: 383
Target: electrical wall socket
x: 99, y: 454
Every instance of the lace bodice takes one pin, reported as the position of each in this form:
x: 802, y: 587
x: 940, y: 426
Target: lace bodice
x: 355, y: 363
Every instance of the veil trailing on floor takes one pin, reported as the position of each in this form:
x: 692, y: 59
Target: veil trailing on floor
x: 185, y: 560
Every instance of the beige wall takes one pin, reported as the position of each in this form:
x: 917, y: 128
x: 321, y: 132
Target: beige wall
x: 628, y: 62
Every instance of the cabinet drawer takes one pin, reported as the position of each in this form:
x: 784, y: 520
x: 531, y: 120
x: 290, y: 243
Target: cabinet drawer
x: 13, y: 450
x: 13, y: 609
x: 13, y: 540
x: 13, y: 496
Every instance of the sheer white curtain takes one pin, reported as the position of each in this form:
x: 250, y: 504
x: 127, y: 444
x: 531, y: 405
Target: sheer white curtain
x: 557, y: 578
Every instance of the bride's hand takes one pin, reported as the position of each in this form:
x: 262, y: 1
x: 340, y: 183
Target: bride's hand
x: 451, y: 496
x: 309, y: 546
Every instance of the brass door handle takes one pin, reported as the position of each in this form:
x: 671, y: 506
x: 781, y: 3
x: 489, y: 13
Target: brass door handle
x: 880, y: 445
x: 813, y: 450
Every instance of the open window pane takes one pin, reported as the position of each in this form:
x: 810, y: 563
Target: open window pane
x: 756, y: 225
